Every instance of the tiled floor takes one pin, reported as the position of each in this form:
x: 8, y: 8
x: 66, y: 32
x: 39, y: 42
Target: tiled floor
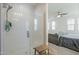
x: 56, y: 50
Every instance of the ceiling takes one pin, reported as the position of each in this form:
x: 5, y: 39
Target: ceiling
x: 70, y: 8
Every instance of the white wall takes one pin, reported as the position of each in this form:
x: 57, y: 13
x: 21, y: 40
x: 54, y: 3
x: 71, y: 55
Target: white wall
x: 3, y: 35
x: 61, y: 25
x: 38, y: 37
x: 72, y: 11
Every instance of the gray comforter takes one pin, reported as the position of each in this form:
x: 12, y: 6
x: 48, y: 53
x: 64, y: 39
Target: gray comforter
x: 70, y: 43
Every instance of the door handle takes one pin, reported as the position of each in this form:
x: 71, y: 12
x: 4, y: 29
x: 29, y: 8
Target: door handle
x: 27, y: 34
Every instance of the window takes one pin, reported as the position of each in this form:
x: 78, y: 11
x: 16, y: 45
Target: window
x: 53, y: 25
x: 35, y: 24
x: 78, y: 23
x: 70, y: 24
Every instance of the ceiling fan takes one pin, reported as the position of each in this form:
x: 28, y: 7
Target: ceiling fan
x: 61, y: 14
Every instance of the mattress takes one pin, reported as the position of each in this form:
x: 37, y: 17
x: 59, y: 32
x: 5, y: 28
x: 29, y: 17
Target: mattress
x: 75, y: 36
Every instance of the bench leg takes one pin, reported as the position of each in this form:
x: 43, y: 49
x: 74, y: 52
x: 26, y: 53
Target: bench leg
x: 48, y: 51
x: 35, y: 52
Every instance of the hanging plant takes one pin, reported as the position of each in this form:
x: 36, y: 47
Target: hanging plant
x: 8, y: 25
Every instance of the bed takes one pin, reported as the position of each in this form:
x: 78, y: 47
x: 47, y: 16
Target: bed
x: 70, y: 41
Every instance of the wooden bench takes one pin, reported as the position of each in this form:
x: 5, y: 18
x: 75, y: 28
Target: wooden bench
x: 42, y: 49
